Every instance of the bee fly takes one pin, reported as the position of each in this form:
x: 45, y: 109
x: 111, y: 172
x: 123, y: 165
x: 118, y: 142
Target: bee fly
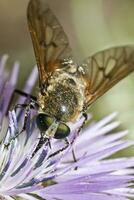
x: 67, y: 89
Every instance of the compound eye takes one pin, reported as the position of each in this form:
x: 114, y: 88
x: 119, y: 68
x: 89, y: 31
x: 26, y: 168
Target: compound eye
x: 62, y: 131
x: 44, y: 121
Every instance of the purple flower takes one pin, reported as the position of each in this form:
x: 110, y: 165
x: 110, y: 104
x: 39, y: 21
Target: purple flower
x: 83, y: 171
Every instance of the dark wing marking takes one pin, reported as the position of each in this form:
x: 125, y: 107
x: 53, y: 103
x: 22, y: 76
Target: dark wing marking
x: 49, y: 40
x: 106, y: 68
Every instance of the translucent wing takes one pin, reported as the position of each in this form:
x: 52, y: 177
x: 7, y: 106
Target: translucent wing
x: 49, y: 40
x: 106, y: 68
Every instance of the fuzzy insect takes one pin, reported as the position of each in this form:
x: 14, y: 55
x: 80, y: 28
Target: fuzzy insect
x: 67, y: 89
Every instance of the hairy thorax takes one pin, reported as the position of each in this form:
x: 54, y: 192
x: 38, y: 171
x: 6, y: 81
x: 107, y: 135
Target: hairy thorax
x: 63, y: 98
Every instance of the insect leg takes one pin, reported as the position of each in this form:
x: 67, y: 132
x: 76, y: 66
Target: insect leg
x: 74, y: 158
x: 20, y: 106
x: 18, y: 133
x: 60, y: 150
x: 42, y: 140
x: 22, y: 93
x: 27, y: 108
x: 84, y: 122
x: 27, y: 113
x: 80, y: 128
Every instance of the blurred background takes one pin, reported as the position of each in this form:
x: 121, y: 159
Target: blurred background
x: 91, y: 25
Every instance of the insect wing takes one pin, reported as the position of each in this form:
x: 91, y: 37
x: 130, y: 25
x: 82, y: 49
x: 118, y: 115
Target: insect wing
x: 106, y: 68
x: 49, y: 40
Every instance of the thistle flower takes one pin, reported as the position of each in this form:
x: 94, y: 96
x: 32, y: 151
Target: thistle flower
x: 83, y: 171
